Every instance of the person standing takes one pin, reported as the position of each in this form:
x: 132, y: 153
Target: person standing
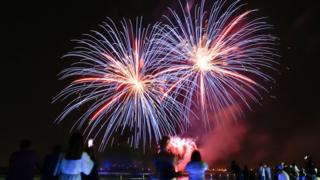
x: 74, y: 161
x: 310, y: 168
x: 49, y: 163
x: 261, y: 172
x: 23, y: 163
x: 246, y: 172
x: 196, y: 167
x: 164, y: 161
x: 268, y: 172
x: 236, y: 170
x: 281, y: 174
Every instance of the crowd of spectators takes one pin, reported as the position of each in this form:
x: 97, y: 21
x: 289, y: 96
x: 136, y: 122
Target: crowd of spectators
x: 78, y: 162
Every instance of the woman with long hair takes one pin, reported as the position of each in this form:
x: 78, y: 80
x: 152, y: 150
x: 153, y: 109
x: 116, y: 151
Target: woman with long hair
x: 196, y: 167
x: 74, y: 161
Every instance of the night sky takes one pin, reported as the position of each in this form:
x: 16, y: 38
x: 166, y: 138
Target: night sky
x: 34, y: 37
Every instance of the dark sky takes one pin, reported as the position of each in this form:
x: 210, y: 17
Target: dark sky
x: 35, y: 36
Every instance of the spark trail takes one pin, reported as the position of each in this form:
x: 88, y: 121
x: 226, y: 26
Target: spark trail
x: 119, y: 80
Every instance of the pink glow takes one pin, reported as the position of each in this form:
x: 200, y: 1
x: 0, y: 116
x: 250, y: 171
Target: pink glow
x: 225, y: 139
x: 182, y: 148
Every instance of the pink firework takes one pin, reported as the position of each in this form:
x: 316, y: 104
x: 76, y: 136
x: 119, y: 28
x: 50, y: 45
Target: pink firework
x: 182, y: 148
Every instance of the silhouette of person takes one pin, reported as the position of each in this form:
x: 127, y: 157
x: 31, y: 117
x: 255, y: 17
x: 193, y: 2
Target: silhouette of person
x: 196, y: 167
x: 302, y: 174
x: 23, y: 163
x: 164, y: 161
x: 281, y: 174
x: 246, y: 173
x: 267, y: 171
x: 293, y: 171
x: 50, y: 162
x: 74, y: 161
x: 252, y: 174
x: 236, y: 170
x: 296, y: 170
x: 310, y: 168
x: 261, y: 172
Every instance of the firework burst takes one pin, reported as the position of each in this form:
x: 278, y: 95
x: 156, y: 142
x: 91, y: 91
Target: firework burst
x: 119, y: 79
x: 217, y: 56
x: 182, y: 148
x: 145, y: 79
